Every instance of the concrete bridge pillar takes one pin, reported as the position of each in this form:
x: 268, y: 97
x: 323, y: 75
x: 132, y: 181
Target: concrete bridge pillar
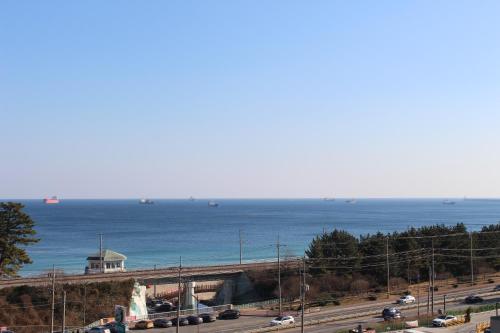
x: 189, y: 299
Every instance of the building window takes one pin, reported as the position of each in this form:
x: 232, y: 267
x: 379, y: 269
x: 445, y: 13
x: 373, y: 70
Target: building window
x: 108, y: 265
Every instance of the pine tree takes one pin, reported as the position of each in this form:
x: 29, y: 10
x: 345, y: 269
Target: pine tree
x: 16, y: 232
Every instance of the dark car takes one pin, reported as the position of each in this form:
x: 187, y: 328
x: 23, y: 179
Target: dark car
x: 194, y: 320
x: 229, y: 314
x: 182, y: 321
x: 208, y: 317
x: 473, y: 299
x: 162, y: 323
x: 165, y: 307
x: 391, y: 314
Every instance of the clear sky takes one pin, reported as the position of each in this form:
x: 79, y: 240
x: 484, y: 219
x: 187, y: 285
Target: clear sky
x: 168, y: 99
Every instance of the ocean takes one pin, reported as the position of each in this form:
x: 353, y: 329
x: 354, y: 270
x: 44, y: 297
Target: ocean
x: 159, y: 234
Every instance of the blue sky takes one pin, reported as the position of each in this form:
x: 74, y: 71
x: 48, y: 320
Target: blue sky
x: 124, y: 99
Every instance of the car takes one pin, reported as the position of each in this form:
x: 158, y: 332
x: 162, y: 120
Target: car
x: 6, y: 331
x: 282, y: 320
x: 154, y: 302
x: 182, y: 321
x: 194, y: 320
x: 229, y: 314
x: 391, y: 314
x: 144, y: 324
x: 472, y: 299
x: 407, y: 299
x: 162, y: 323
x: 165, y: 307
x: 443, y: 321
x: 497, y: 288
x: 208, y: 317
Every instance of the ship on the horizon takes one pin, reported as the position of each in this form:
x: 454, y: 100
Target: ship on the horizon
x: 328, y: 199
x: 448, y: 202
x: 51, y: 200
x: 145, y: 201
x: 351, y: 201
x: 213, y: 204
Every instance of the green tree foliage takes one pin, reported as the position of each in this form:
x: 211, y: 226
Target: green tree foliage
x: 410, y: 253
x: 340, y: 246
x: 16, y: 232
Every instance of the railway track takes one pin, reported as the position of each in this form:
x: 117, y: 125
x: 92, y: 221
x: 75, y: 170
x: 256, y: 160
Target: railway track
x: 169, y: 272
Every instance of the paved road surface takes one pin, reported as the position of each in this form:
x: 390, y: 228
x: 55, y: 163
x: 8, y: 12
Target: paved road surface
x: 454, y: 301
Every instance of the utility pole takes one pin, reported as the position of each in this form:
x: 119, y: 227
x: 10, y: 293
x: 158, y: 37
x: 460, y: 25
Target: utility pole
x: 63, y: 326
x: 408, y: 272
x: 179, y: 296
x: 418, y: 301
x: 154, y: 285
x: 53, y: 298
x: 84, y: 303
x: 433, y: 275
x: 241, y: 247
x: 279, y: 273
x: 444, y: 304
x: 387, y: 264
x: 418, y: 293
x: 303, y: 294
x: 471, y: 262
x: 100, y: 253
x: 428, y: 291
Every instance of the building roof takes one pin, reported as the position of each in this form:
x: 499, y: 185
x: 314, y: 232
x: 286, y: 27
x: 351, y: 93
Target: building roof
x: 107, y: 255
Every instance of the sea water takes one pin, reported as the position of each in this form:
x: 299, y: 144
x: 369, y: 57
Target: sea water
x: 160, y: 233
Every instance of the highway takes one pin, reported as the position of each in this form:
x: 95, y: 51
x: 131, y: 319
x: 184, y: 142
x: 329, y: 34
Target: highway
x: 247, y: 323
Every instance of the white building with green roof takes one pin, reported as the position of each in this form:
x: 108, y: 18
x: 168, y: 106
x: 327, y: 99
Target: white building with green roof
x: 111, y: 261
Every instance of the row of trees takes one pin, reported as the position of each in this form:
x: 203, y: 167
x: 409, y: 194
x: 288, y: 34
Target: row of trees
x: 409, y: 253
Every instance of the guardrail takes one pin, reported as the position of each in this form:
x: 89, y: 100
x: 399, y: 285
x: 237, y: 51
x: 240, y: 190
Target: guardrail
x: 257, y: 304
x: 186, y: 312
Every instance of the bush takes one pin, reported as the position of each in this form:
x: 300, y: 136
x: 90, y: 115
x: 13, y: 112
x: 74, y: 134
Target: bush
x: 455, y: 285
x: 359, y: 286
x: 491, y: 281
x: 398, y: 283
x: 372, y: 297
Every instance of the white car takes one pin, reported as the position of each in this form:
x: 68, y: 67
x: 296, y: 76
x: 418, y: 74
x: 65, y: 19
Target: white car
x: 442, y: 321
x: 283, y: 320
x: 407, y: 299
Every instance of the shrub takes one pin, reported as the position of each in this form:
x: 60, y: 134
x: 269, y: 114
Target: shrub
x: 372, y: 297
x: 359, y: 286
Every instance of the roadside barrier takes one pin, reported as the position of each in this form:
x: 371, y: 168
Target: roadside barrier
x: 183, y: 313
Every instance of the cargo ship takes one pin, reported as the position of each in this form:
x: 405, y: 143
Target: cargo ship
x: 145, y: 201
x: 52, y: 200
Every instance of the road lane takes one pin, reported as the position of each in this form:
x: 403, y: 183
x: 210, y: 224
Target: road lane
x: 455, y: 301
